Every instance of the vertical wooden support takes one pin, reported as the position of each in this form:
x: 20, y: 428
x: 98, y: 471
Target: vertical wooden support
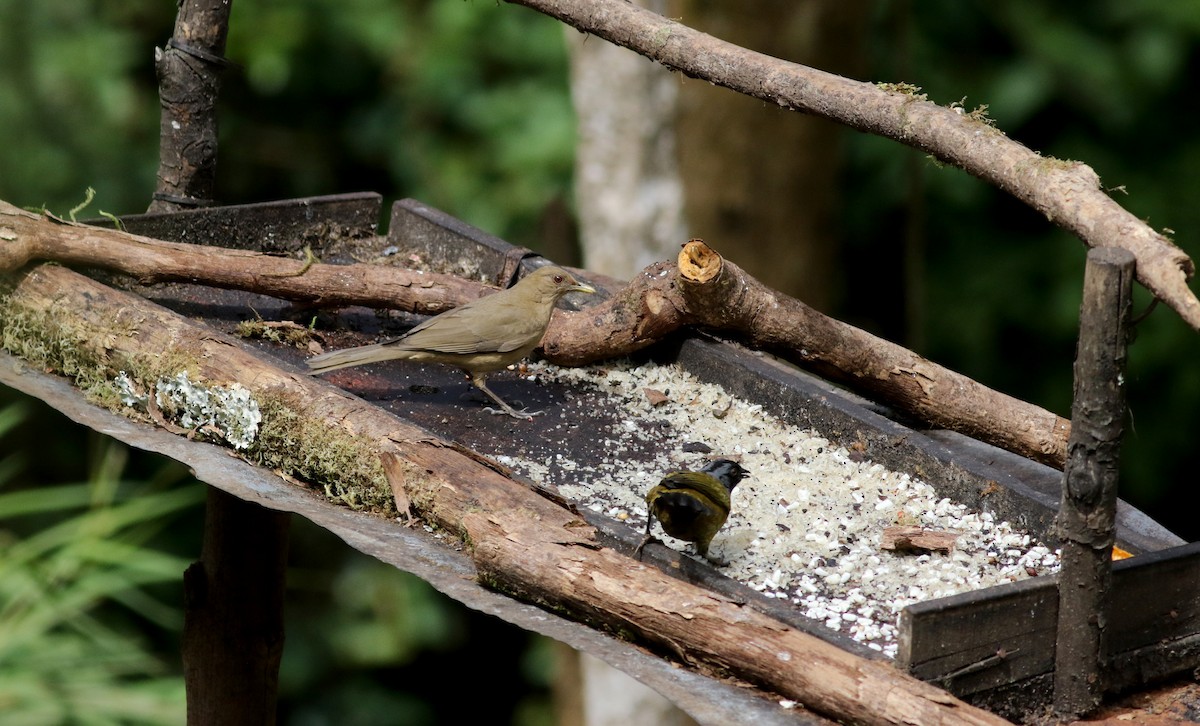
x: 189, y: 79
x: 1086, y: 519
x: 233, y: 623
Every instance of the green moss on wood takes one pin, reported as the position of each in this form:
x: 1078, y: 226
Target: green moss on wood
x: 290, y: 439
x: 302, y: 446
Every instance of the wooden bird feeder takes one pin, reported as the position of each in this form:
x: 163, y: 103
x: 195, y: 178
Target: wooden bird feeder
x: 364, y: 464
x: 993, y: 647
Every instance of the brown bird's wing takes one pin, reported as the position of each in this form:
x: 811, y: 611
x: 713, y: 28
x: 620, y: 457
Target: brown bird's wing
x: 497, y: 323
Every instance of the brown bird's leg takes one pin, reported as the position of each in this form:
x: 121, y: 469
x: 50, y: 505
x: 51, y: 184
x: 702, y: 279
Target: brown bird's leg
x: 477, y: 380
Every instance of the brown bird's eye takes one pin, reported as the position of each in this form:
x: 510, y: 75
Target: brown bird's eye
x: 558, y: 279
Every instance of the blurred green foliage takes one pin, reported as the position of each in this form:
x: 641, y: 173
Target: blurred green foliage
x: 78, y: 101
x: 369, y: 645
x: 83, y: 575
x: 461, y: 104
x: 464, y: 105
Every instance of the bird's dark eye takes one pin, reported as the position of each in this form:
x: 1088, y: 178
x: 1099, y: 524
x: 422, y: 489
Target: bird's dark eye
x: 558, y: 279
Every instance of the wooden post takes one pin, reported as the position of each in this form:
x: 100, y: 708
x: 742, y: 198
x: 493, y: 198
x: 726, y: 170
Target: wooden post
x: 189, y: 78
x: 233, y: 621
x: 1089, y: 497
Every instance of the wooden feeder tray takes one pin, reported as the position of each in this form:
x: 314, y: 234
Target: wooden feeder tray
x: 995, y: 647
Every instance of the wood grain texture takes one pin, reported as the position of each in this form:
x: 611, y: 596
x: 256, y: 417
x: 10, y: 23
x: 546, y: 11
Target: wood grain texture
x: 980, y: 640
x: 1088, y: 511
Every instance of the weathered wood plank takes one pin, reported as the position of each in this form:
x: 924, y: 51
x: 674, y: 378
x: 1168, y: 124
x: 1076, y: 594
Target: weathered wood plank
x: 276, y: 226
x: 989, y: 638
x: 1156, y: 598
x: 449, y: 245
x: 981, y: 639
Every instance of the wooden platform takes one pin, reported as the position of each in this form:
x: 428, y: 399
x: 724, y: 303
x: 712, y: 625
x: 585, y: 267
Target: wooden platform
x: 994, y: 646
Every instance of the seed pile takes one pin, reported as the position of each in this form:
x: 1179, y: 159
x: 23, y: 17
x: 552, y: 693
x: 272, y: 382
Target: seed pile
x: 805, y: 526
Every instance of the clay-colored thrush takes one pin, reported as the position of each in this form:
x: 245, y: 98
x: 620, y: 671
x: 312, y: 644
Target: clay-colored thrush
x: 480, y: 337
x: 692, y: 505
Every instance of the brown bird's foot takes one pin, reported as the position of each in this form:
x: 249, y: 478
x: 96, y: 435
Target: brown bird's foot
x: 507, y: 410
x: 716, y: 561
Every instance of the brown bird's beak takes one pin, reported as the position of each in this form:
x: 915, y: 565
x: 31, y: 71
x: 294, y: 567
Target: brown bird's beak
x: 581, y: 287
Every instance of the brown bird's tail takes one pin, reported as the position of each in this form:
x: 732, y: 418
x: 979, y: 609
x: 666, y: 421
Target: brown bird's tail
x: 352, y: 357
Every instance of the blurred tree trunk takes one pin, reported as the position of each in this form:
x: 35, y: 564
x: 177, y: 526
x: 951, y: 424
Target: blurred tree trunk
x: 590, y: 692
x: 662, y: 158
x: 629, y: 196
x: 761, y: 183
x: 629, y: 199
x: 638, y: 705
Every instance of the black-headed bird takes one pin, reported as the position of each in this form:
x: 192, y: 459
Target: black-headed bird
x: 693, y: 505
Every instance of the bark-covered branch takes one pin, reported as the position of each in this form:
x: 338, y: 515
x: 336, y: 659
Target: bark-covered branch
x: 705, y: 290
x: 1087, y: 514
x: 522, y: 543
x: 702, y: 289
x: 25, y: 236
x: 1067, y: 192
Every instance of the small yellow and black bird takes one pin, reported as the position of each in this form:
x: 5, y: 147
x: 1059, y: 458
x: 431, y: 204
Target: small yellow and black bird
x: 480, y: 337
x: 693, y: 505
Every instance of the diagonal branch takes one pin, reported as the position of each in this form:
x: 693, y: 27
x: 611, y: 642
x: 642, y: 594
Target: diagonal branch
x: 1067, y: 192
x: 707, y: 291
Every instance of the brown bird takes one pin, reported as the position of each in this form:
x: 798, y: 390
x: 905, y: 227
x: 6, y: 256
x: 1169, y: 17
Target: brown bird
x: 481, y: 337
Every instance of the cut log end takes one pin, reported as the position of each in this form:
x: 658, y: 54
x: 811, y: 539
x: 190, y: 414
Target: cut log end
x: 698, y: 262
